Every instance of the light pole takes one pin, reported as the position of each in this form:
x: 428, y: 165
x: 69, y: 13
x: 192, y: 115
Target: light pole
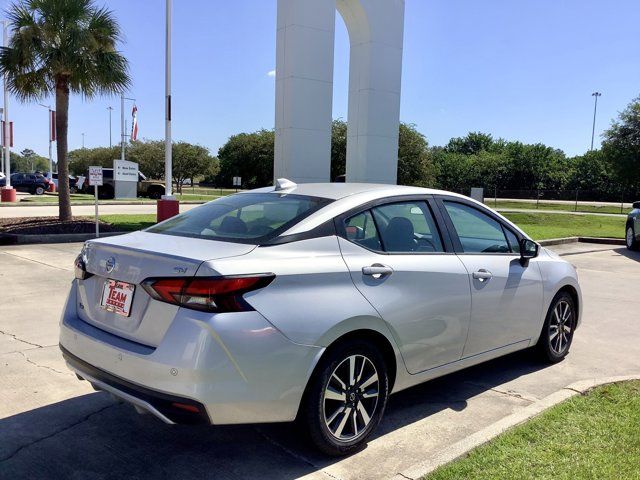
x: 8, y: 194
x: 167, y: 132
x: 110, y: 108
x: 48, y: 107
x: 83, y: 140
x: 168, y: 206
x: 595, y: 109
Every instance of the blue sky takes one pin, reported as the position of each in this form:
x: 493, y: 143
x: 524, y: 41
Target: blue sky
x: 521, y: 70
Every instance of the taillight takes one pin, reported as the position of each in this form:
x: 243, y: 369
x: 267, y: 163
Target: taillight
x: 80, y: 268
x: 208, y: 294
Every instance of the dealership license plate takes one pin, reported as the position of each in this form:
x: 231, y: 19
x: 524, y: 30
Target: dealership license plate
x: 117, y: 297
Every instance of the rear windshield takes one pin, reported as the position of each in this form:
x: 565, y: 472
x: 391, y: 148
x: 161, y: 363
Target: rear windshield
x: 246, y: 218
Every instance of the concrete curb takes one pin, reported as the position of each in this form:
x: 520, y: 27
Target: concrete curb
x: 13, y: 239
x: 565, y: 240
x: 464, y: 446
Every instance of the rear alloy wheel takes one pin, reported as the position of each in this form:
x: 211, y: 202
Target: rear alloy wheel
x: 630, y: 237
x: 39, y: 190
x: 558, y: 329
x: 347, y: 398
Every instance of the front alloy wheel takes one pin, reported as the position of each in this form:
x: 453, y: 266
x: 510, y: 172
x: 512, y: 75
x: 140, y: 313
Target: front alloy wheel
x: 558, y: 329
x: 346, y: 397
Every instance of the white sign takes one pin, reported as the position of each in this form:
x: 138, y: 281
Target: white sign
x: 124, y: 170
x: 95, y: 176
x: 477, y: 193
x: 237, y: 181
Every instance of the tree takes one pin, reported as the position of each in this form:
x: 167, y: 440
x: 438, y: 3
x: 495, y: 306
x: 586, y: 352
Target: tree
x: 190, y: 161
x: 250, y: 156
x: 415, y: 165
x: 338, y: 148
x: 62, y: 47
x: 28, y: 161
x: 474, y: 142
x: 621, y: 146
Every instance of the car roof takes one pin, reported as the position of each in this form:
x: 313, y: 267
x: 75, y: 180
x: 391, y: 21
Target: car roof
x: 337, y: 191
x: 346, y: 196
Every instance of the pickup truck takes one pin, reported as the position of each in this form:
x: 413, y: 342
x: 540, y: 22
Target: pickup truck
x: 146, y: 188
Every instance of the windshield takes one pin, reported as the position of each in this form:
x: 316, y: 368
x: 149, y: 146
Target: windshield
x: 245, y: 218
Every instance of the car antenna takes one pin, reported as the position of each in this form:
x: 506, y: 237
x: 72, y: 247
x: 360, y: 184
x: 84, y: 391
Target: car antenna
x: 284, y: 184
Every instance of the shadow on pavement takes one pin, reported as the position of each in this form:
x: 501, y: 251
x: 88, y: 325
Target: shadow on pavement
x: 91, y: 436
x: 625, y: 252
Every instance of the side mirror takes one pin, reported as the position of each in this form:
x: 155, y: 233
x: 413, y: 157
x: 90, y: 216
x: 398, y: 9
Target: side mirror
x: 636, y: 205
x: 528, y: 250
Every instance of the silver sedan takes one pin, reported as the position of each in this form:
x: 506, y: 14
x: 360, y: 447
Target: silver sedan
x: 310, y: 302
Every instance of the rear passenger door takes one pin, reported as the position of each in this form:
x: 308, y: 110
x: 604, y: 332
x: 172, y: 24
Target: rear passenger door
x: 403, y: 266
x: 506, y: 296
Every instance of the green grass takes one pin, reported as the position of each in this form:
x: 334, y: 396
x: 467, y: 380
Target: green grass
x: 592, y: 436
x: 129, y: 223
x: 556, y: 206
x: 542, y: 226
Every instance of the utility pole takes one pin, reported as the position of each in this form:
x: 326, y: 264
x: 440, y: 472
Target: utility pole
x: 83, y: 140
x: 110, y: 108
x: 595, y: 110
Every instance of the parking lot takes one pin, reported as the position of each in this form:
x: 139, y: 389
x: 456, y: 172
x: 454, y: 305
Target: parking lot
x: 54, y: 426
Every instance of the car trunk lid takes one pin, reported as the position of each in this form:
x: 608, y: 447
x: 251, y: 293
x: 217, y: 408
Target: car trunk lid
x: 133, y: 258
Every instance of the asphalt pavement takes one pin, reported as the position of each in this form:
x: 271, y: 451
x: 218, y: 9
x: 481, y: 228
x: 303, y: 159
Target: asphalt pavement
x: 54, y: 426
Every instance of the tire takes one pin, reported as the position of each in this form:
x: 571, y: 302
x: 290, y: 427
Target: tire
x: 330, y: 421
x: 155, y: 193
x: 562, y: 316
x: 39, y: 190
x: 630, y: 238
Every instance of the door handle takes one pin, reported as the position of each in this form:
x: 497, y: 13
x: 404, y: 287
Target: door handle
x: 482, y: 275
x: 377, y: 270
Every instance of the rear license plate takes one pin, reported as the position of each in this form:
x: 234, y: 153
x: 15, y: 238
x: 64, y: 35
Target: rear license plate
x: 117, y: 297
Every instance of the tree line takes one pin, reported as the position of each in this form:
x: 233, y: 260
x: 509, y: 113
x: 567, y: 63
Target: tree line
x: 475, y: 160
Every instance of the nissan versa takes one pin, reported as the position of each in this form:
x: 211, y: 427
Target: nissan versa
x: 311, y: 302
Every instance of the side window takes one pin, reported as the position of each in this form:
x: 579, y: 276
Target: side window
x: 361, y: 229
x: 407, y: 227
x: 478, y: 232
x: 513, y: 240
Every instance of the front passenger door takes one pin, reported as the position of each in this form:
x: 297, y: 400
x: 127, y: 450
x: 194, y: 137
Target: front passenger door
x: 506, y: 297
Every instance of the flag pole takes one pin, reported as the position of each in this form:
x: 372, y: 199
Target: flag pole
x: 168, y: 205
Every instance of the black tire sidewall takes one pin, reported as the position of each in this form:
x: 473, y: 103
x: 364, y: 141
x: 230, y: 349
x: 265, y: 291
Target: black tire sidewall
x: 634, y: 242
x: 544, y: 344
x: 313, y: 409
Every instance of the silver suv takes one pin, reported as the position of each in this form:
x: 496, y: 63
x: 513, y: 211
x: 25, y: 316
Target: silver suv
x: 311, y: 302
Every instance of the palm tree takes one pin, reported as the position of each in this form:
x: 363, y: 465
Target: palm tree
x: 61, y: 47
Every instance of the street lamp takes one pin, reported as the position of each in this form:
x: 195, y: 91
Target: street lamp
x: 110, y: 108
x: 51, y: 135
x: 8, y: 194
x: 123, y: 128
x: 595, y: 109
x: 83, y: 140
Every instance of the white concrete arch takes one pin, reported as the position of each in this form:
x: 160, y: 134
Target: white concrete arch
x: 304, y: 88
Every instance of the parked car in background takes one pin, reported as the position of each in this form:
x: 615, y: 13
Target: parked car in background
x: 632, y: 231
x: 313, y: 302
x: 33, y: 183
x: 146, y: 188
x: 72, y: 181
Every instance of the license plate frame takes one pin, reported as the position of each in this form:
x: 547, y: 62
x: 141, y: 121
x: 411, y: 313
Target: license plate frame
x: 117, y: 297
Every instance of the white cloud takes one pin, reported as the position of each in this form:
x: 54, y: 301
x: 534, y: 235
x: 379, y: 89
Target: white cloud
x: 271, y: 73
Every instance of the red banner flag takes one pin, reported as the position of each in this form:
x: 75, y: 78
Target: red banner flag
x: 134, y: 123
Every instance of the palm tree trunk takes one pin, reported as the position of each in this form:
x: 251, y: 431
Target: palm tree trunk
x: 62, y: 125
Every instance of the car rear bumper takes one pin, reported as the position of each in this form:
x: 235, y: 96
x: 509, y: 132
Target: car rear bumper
x: 237, y: 367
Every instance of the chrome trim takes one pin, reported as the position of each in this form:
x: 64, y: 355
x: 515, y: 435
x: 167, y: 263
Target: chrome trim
x: 136, y: 402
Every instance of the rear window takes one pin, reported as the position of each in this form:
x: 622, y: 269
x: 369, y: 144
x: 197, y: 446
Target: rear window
x: 244, y: 218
